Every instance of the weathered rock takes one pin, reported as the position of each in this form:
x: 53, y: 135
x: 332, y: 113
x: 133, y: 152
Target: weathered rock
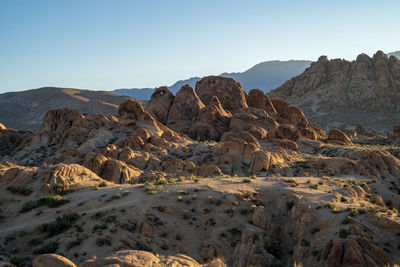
x: 257, y: 99
x: 160, y: 103
x: 184, y: 110
x: 338, y: 135
x: 228, y: 91
x: 212, y: 122
x: 119, y: 172
x: 286, y: 131
x: 52, y: 260
x: 65, y: 177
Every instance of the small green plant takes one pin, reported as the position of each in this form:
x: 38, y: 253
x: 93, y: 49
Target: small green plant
x: 331, y: 206
x: 275, y: 249
x: 20, y: 190
x: 314, y: 186
x: 305, y: 243
x: 117, y: 196
x: 153, y: 189
x: 51, y: 202
x: 343, y: 233
x: 35, y: 241
x: 48, y: 248
x: 103, y: 241
x: 244, y: 211
x: 18, y: 261
x: 291, y: 181
x: 61, y: 224
x: 347, y: 220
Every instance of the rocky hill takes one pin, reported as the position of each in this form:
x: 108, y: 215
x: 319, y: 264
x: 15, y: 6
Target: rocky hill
x: 25, y: 110
x: 211, y: 176
x: 338, y: 92
x: 396, y: 54
x: 264, y: 76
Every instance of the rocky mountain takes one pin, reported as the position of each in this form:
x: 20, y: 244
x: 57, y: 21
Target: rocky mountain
x: 338, y: 92
x: 264, y: 76
x: 396, y: 54
x: 25, y: 110
x: 210, y: 176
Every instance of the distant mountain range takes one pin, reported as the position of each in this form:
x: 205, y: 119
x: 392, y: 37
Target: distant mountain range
x: 265, y: 76
x: 25, y: 110
x: 396, y: 54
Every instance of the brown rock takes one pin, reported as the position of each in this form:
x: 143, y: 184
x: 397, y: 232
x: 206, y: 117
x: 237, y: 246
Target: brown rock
x: 257, y: 99
x: 119, y: 172
x: 52, y: 260
x: 286, y: 131
x: 213, y: 121
x: 66, y: 177
x: 160, y: 103
x: 228, y: 91
x: 184, y: 110
x: 338, y: 135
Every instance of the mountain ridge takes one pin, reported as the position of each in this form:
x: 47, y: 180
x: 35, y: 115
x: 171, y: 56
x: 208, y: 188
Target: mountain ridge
x: 265, y: 76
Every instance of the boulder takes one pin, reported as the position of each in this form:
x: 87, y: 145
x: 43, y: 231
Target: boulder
x: 52, y: 260
x: 287, y: 131
x: 119, y: 172
x: 160, y: 103
x: 65, y: 177
x: 184, y: 110
x: 228, y: 91
x: 212, y: 122
x: 257, y: 99
x: 337, y: 135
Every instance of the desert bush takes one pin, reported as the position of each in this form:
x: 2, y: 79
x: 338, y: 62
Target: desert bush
x: 103, y: 241
x: 61, y: 224
x: 20, y: 190
x: 51, y: 202
x: 48, y: 248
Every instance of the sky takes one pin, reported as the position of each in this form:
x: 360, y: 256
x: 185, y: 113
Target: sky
x: 110, y: 44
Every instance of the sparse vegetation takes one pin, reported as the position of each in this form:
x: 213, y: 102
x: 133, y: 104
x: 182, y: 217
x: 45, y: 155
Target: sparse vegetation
x: 61, y: 224
x: 51, y: 202
x: 20, y: 190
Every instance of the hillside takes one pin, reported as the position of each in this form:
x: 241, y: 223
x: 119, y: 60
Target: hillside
x: 264, y: 76
x: 208, y: 178
x: 338, y: 92
x: 25, y: 110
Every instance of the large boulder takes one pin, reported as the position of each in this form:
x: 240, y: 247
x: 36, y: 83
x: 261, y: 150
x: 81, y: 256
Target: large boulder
x: 135, y: 258
x: 160, y: 103
x: 338, y: 136
x: 212, y: 122
x: 65, y: 177
x: 52, y: 260
x: 228, y: 91
x: 9, y: 140
x: 257, y: 99
x: 184, y: 110
x: 56, y: 123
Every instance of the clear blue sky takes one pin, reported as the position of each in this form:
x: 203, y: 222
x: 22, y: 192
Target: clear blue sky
x: 108, y: 44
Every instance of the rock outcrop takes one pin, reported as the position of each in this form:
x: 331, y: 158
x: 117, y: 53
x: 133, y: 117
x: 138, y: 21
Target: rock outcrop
x: 228, y: 91
x: 160, y: 103
x: 336, y: 92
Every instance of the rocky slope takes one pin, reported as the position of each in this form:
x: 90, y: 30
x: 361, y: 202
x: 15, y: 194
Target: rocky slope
x: 337, y: 92
x: 264, y: 76
x: 25, y: 110
x: 211, y: 176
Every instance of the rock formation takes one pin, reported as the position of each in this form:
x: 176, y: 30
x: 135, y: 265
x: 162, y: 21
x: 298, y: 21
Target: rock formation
x: 338, y: 92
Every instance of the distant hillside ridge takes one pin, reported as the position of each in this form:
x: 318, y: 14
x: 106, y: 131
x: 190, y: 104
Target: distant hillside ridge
x: 25, y: 110
x: 264, y: 76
